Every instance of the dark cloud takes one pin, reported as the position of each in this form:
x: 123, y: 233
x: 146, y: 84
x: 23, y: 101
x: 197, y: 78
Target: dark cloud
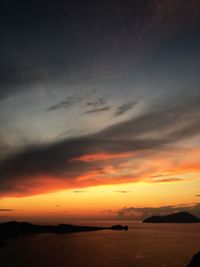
x: 124, y: 108
x: 167, y: 180
x: 134, y: 213
x: 161, y: 126
x: 197, y: 196
x: 6, y: 210
x: 66, y: 103
x: 97, y: 103
x: 97, y: 110
x: 95, y: 106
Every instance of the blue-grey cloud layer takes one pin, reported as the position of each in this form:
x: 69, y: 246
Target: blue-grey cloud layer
x: 169, y: 122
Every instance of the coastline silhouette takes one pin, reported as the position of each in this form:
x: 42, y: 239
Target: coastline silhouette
x: 14, y: 228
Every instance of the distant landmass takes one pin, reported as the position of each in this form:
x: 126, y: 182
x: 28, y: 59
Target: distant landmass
x: 179, y: 217
x: 14, y: 228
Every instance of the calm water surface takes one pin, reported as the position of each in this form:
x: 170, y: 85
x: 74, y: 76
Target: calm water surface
x: 145, y: 245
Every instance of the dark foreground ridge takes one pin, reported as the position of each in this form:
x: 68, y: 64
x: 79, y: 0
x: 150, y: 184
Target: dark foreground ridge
x: 195, y: 261
x: 13, y: 228
x: 180, y: 217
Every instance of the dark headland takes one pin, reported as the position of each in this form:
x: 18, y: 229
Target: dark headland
x: 179, y: 217
x: 14, y: 228
x: 195, y: 261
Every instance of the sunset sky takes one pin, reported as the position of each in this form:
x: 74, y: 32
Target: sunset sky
x: 99, y: 108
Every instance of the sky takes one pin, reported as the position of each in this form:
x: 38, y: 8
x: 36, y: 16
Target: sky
x: 99, y: 108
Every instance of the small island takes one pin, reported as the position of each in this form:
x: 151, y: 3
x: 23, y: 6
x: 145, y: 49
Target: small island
x: 179, y: 217
x: 10, y: 229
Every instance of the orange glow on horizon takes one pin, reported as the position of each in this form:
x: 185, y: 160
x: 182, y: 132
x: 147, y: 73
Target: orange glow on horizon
x: 166, y: 178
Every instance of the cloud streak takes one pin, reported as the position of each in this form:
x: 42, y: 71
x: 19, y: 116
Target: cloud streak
x: 98, y: 110
x: 97, y: 103
x: 66, y: 103
x: 125, y: 108
x: 96, y: 106
x: 2, y: 210
x: 167, y: 180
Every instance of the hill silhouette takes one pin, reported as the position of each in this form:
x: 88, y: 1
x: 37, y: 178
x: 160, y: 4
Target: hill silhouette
x: 179, y: 217
x: 14, y: 228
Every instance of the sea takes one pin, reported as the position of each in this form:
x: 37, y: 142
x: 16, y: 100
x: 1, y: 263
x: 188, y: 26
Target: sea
x: 143, y: 245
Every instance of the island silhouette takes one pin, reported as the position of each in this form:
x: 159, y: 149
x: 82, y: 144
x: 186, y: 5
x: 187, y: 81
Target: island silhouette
x: 179, y: 217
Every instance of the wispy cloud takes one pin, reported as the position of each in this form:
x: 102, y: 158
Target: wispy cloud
x: 97, y: 102
x: 97, y: 105
x: 66, y: 103
x: 166, y: 180
x: 1, y: 210
x: 125, y: 108
x: 97, y: 110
